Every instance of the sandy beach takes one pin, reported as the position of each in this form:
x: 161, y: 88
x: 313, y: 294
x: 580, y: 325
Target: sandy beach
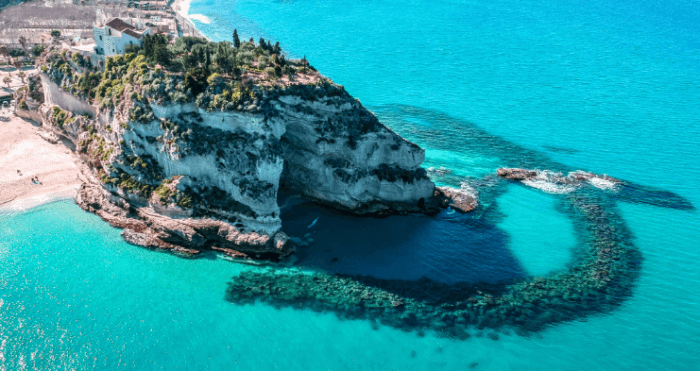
x: 21, y: 148
x: 182, y: 7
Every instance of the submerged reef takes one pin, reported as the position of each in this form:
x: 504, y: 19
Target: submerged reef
x: 601, y: 276
x: 600, y: 280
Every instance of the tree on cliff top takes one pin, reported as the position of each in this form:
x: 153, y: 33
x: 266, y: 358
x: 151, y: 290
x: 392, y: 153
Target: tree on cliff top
x: 37, y: 50
x: 225, y: 57
x: 155, y: 49
x: 277, y: 49
x: 186, y: 44
x: 23, y: 42
x: 207, y: 60
x: 55, y: 34
x: 236, y: 40
x: 196, y: 81
x: 5, y: 52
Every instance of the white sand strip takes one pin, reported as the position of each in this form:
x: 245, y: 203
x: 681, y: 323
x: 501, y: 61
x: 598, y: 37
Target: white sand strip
x: 21, y: 148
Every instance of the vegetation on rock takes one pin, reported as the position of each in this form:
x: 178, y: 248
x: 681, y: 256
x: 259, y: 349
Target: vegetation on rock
x: 214, y: 76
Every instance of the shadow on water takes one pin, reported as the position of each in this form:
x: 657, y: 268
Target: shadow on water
x: 602, y: 276
x: 448, y: 248
x: 564, y: 150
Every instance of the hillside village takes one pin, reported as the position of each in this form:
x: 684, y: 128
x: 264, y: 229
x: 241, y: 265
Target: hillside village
x: 92, y: 29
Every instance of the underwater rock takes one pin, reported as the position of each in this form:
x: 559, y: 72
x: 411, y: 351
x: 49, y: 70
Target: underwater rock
x: 441, y: 171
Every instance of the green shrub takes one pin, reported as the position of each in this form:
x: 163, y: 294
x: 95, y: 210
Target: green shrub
x: 37, y: 50
x: 185, y: 202
x: 214, y: 79
x: 59, y: 116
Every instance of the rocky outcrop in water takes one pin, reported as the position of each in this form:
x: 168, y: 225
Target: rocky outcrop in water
x: 574, y: 178
x: 463, y: 200
x: 191, y: 175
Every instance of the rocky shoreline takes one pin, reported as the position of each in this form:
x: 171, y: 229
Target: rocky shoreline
x: 183, y: 236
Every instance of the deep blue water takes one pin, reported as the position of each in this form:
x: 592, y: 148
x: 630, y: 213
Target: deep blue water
x: 604, y: 86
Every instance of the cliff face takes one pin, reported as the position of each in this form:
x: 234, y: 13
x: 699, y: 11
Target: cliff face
x: 336, y: 152
x: 174, y: 174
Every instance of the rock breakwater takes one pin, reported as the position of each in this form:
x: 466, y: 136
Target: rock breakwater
x: 603, y: 277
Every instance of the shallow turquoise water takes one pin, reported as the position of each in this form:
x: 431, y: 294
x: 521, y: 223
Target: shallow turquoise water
x: 604, y: 86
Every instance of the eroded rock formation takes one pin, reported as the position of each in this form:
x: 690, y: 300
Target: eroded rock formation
x: 191, y: 176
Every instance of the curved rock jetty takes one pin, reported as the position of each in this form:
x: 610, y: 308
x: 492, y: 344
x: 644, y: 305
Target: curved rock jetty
x: 600, y: 280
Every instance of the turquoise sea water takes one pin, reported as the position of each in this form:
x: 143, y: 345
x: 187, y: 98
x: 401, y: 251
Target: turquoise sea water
x: 605, y: 86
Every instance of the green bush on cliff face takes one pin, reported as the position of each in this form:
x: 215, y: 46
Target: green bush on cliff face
x: 163, y: 192
x: 127, y: 183
x: 81, y: 61
x: 146, y: 166
x: 140, y: 114
x: 23, y: 105
x: 185, y: 202
x: 66, y: 69
x: 167, y: 191
x: 58, y: 116
x: 37, y: 50
x: 215, y: 79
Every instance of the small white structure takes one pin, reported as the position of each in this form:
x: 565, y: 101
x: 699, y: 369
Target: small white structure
x: 116, y: 35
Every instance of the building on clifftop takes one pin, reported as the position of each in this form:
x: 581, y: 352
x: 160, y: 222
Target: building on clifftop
x: 112, y: 38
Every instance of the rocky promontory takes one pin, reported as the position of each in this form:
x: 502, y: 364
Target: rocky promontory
x: 189, y: 153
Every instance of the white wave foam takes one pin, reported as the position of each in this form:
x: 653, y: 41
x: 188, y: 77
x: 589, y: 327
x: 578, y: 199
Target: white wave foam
x: 549, y: 187
x: 548, y: 175
x: 603, y: 184
x: 468, y: 190
x: 200, y: 17
x: 183, y: 7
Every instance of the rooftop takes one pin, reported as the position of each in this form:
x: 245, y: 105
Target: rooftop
x: 133, y: 33
x: 119, y: 25
x: 124, y: 27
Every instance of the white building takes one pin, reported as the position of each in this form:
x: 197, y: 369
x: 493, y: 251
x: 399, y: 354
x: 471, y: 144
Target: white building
x: 115, y: 36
